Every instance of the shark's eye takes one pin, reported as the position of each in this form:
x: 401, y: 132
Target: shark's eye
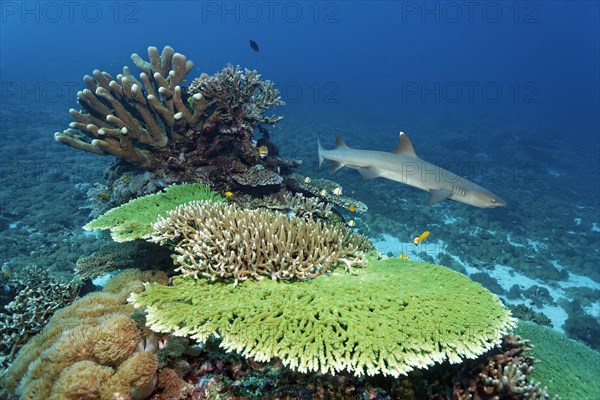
x: 493, y: 200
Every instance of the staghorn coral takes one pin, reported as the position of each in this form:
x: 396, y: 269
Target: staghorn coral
x: 219, y: 241
x: 95, y: 330
x: 390, y: 318
x: 521, y: 311
x: 130, y: 119
x: 133, y: 220
x: 39, y: 296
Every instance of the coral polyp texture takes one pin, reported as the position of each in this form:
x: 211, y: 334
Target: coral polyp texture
x: 219, y: 241
x: 568, y: 368
x: 134, y: 219
x: 391, y: 317
x: 90, y: 350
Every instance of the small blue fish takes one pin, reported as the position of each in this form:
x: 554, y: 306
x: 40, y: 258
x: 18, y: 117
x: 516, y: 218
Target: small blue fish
x: 5, y: 289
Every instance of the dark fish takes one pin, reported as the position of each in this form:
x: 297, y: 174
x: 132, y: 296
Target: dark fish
x: 264, y: 131
x: 254, y: 45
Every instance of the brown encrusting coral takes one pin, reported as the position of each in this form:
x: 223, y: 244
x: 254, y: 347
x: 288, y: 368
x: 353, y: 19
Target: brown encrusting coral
x: 217, y: 240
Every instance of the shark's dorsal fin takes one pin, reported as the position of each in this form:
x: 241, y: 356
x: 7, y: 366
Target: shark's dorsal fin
x: 405, y: 146
x: 339, y: 142
x: 437, y: 195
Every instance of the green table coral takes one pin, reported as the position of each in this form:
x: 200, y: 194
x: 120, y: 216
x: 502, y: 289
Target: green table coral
x: 568, y: 368
x: 134, y: 219
x: 389, y: 318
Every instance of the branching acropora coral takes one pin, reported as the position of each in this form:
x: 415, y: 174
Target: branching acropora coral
x: 217, y: 240
x: 239, y: 97
x: 130, y: 119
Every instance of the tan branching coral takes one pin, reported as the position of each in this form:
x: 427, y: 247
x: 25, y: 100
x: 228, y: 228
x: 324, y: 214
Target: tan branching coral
x: 217, y: 240
x: 131, y: 119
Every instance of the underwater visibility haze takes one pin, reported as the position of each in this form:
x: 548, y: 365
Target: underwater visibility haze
x: 300, y: 200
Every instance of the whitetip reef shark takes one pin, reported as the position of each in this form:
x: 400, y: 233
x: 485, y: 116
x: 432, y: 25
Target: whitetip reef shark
x: 402, y: 165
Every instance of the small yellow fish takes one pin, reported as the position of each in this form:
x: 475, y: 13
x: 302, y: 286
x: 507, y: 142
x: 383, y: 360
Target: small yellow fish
x: 263, y: 151
x: 337, y: 191
x: 352, y: 208
x: 6, y: 271
x: 403, y: 256
x: 228, y: 194
x: 351, y: 222
x: 307, y: 180
x: 323, y: 192
x: 419, y: 239
x: 184, y: 81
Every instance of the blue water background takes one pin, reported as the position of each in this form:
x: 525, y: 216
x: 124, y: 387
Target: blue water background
x: 515, y: 82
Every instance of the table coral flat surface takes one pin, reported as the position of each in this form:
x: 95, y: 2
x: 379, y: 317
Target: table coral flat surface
x: 392, y: 317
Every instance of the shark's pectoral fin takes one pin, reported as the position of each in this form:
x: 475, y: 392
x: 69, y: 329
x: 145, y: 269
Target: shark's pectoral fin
x: 337, y: 165
x: 369, y: 172
x: 437, y: 195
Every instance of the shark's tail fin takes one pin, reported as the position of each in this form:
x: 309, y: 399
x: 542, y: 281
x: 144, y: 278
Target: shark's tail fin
x: 320, y: 149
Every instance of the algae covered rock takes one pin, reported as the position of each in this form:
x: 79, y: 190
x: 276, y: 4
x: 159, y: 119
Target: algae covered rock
x: 390, y: 318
